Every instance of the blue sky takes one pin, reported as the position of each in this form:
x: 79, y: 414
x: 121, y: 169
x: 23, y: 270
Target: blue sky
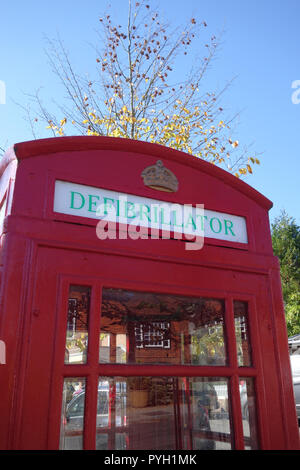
x: 260, y: 47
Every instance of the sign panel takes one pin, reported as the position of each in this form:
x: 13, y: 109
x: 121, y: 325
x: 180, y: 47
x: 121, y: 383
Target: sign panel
x: 98, y: 203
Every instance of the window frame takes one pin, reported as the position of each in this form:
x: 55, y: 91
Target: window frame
x: 93, y: 369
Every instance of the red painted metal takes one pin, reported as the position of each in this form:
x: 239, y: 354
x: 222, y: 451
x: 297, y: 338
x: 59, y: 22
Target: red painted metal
x: 42, y: 252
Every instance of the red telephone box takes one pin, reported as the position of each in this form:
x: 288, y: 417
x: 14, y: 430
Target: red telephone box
x: 138, y: 340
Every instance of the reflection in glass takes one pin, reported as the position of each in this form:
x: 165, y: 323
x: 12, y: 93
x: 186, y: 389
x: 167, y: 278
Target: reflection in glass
x: 206, y: 414
x: 247, y: 394
x: 77, y: 324
x: 111, y: 414
x: 145, y: 328
x: 72, y: 415
x: 139, y: 413
x: 113, y: 348
x: 242, y: 333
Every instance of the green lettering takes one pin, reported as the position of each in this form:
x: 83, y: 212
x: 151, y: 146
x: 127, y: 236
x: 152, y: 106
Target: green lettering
x: 192, y: 222
x: 129, y: 207
x: 154, y: 207
x: 145, y: 212
x: 174, y: 220
x: 229, y: 228
x: 162, y: 216
x: 72, y: 206
x: 92, y: 203
x: 105, y: 199
x: 202, y: 217
x: 211, y: 225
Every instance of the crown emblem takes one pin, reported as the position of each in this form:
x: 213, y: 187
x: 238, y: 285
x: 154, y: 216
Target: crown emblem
x: 160, y: 178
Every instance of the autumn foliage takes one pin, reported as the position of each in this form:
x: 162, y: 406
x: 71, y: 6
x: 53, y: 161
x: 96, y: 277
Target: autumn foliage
x: 139, y: 91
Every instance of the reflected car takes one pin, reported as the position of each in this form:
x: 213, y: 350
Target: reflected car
x: 295, y: 365
x: 75, y: 409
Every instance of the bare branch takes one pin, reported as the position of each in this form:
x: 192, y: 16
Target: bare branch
x: 139, y: 89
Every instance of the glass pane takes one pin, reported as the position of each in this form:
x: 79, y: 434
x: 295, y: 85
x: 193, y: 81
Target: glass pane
x: 140, y: 413
x: 77, y: 325
x: 72, y: 415
x: 111, y: 414
x: 206, y: 416
x: 149, y: 328
x: 242, y: 333
x: 247, y: 394
x: 113, y: 348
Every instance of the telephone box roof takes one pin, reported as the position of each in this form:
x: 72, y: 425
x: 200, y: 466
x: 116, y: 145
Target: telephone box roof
x: 52, y: 145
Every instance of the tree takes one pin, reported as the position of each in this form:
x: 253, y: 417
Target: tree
x: 286, y: 245
x: 137, y: 94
